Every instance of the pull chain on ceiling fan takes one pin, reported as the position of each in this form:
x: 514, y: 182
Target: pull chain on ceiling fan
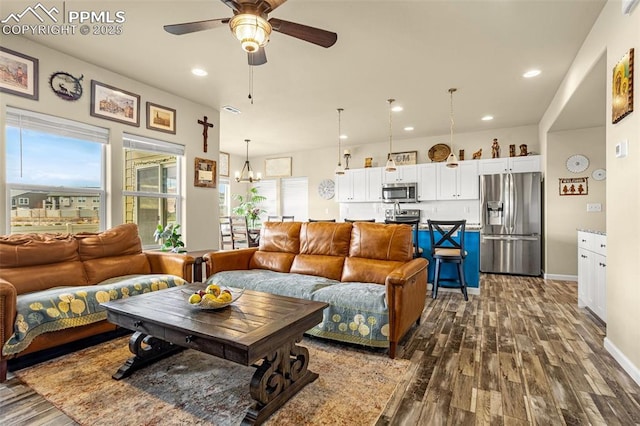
x: 252, y: 28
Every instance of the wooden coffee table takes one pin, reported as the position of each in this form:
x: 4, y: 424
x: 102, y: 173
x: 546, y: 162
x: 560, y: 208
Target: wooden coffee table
x: 257, y: 326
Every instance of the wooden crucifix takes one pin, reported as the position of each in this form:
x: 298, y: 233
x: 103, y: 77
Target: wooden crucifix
x: 205, y: 131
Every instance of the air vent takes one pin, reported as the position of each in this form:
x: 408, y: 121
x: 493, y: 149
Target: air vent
x: 232, y: 110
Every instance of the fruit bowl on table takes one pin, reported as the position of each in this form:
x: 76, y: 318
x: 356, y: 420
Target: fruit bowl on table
x: 213, y: 297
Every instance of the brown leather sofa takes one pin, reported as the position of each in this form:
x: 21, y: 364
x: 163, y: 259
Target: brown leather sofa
x: 37, y: 263
x: 365, y: 271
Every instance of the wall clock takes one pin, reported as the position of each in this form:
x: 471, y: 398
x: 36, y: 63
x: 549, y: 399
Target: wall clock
x: 577, y: 163
x: 599, y: 174
x: 326, y: 189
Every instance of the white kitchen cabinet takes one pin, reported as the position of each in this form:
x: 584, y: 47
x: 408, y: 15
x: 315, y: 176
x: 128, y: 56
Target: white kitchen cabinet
x: 592, y: 275
x: 427, y: 182
x: 374, y: 183
x: 494, y: 166
x: 459, y: 183
x: 351, y: 186
x: 402, y: 174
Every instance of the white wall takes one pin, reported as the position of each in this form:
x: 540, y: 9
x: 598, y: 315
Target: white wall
x: 199, y: 205
x: 565, y: 214
x: 614, y: 34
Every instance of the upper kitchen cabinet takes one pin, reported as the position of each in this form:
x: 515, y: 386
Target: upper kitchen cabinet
x: 459, y: 183
x: 351, y: 186
x: 494, y: 166
x: 427, y: 182
x: 402, y: 174
x: 374, y: 183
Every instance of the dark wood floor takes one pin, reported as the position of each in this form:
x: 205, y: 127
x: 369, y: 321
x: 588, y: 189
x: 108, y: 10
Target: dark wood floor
x: 521, y: 353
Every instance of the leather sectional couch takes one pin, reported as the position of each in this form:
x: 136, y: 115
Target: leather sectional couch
x: 366, y: 272
x: 51, y: 285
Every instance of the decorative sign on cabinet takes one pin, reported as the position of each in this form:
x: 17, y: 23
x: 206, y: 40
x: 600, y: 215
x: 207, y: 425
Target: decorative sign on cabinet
x: 592, y: 275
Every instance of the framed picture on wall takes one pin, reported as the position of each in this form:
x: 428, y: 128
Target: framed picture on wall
x: 204, y: 173
x: 277, y: 167
x: 224, y: 164
x: 19, y: 74
x: 622, y: 88
x: 114, y: 104
x: 160, y: 118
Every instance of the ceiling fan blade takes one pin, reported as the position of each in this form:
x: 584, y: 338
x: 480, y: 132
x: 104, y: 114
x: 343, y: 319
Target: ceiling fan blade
x: 257, y: 58
x: 303, y: 32
x: 232, y: 4
x: 192, y: 27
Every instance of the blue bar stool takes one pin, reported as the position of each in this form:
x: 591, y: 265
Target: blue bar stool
x: 444, y: 249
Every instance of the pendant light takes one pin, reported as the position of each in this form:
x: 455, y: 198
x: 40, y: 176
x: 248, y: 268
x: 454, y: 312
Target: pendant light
x: 452, y: 160
x: 391, y: 165
x: 339, y: 170
x: 246, y: 175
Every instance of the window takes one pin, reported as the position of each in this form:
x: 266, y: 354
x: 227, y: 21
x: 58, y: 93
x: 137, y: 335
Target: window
x: 294, y: 197
x: 224, y: 189
x: 49, y: 160
x: 268, y: 188
x: 151, y: 184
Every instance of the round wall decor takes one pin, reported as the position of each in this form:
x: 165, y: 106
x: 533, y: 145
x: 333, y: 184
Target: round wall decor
x: 326, y: 189
x: 599, y: 174
x: 66, y: 86
x: 577, y: 163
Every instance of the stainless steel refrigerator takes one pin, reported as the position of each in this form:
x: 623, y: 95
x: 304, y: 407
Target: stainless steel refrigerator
x: 510, y: 238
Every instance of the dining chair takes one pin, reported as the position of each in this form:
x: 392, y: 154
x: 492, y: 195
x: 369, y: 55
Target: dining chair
x: 322, y: 220
x: 226, y: 240
x: 359, y: 220
x: 445, y: 249
x: 274, y: 219
x: 239, y: 232
x: 288, y: 218
x: 415, y: 223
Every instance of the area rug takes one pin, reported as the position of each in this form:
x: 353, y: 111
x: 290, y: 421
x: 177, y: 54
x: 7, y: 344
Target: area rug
x: 192, y: 388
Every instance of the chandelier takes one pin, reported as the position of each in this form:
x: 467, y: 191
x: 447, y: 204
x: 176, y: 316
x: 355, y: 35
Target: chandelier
x: 391, y: 165
x: 339, y: 170
x: 452, y: 160
x: 251, y: 30
x: 246, y: 175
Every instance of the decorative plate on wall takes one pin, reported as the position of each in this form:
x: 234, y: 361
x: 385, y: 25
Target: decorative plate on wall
x: 599, y: 174
x: 439, y: 152
x: 326, y: 189
x: 577, y: 163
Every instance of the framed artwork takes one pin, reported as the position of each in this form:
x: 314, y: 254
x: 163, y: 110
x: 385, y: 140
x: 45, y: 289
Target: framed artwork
x: 622, y: 88
x: 204, y: 173
x: 18, y: 74
x: 224, y: 164
x: 160, y: 118
x: 573, y: 186
x: 277, y: 167
x: 405, y: 158
x: 115, y: 104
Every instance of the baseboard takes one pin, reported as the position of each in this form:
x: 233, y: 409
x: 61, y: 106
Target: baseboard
x: 624, y: 362
x: 559, y: 277
x: 470, y: 290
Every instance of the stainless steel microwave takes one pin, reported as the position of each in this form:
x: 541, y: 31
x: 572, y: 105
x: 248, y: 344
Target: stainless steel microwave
x: 400, y: 192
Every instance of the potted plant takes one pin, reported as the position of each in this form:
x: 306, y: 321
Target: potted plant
x: 248, y: 206
x: 172, y: 239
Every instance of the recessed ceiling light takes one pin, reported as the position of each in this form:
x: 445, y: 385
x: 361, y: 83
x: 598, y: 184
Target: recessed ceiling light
x: 487, y: 118
x: 344, y: 137
x: 531, y: 73
x: 199, y: 72
x: 397, y: 108
x: 232, y: 110
x: 408, y: 129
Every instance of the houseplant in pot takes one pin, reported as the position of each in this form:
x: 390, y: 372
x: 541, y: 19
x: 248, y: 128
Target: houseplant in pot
x: 172, y: 239
x: 248, y: 206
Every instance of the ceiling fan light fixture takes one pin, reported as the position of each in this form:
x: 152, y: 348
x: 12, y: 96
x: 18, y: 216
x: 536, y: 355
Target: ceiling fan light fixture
x: 251, y: 30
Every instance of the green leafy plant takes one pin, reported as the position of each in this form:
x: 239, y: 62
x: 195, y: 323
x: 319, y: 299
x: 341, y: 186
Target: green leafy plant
x: 248, y: 206
x: 172, y: 239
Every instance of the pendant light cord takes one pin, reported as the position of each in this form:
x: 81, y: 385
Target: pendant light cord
x: 390, y: 127
x: 451, y: 91
x: 251, y: 84
x: 339, y: 131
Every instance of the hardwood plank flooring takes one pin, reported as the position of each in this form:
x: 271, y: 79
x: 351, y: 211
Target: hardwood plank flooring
x: 521, y: 353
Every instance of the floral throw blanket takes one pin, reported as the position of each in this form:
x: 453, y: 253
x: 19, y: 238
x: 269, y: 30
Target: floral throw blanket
x: 64, y: 307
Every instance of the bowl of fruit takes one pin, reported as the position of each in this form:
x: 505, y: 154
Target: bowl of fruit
x: 214, y: 297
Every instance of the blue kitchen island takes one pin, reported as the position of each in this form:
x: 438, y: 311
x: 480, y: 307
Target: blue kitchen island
x: 471, y: 262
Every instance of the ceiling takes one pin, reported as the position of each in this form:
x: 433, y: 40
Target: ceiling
x: 413, y: 51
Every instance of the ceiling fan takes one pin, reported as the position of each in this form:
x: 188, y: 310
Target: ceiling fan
x: 250, y: 26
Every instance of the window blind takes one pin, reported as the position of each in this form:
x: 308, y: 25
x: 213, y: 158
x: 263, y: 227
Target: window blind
x: 151, y: 145
x: 295, y: 197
